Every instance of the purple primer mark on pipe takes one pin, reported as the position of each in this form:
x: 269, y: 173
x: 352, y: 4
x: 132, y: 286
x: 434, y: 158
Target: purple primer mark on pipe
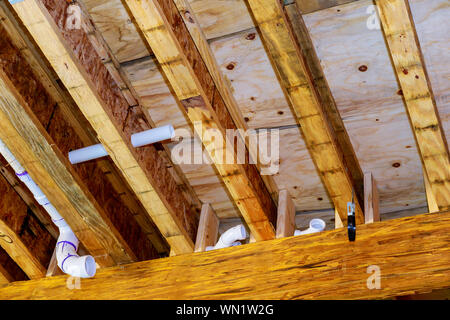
x: 68, y: 256
x: 57, y: 220
x: 67, y: 242
x: 22, y: 174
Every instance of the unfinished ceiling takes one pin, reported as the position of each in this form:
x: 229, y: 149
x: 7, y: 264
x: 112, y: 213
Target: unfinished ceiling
x: 104, y: 83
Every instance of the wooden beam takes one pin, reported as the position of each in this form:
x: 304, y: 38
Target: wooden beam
x: 9, y: 270
x: 194, y: 87
x: 409, y: 66
x: 208, y: 229
x: 81, y: 70
x: 324, y: 265
x: 286, y: 215
x: 22, y: 236
x: 287, y: 50
x: 371, y: 199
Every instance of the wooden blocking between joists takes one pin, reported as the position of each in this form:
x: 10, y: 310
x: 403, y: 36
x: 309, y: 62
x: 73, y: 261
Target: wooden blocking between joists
x: 208, y: 229
x: 431, y: 200
x: 371, y: 199
x: 286, y: 215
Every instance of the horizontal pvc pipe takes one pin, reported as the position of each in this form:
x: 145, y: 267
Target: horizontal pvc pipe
x: 67, y: 245
x: 315, y: 225
x: 88, y: 153
x: 152, y: 136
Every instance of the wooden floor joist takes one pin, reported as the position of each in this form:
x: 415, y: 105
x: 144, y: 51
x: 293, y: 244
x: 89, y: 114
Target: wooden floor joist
x: 22, y: 236
x: 409, y: 66
x: 319, y: 126
x: 78, y: 65
x: 412, y: 255
x: 175, y: 50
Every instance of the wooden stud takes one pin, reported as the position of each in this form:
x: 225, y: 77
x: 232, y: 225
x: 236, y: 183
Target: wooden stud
x: 371, y: 199
x: 325, y: 264
x: 431, y: 201
x: 208, y: 229
x: 404, y: 47
x: 103, y: 104
x: 286, y: 215
x: 194, y: 87
x: 337, y: 220
x: 287, y: 53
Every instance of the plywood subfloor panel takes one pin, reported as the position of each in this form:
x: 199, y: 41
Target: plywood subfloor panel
x: 369, y: 102
x: 112, y: 19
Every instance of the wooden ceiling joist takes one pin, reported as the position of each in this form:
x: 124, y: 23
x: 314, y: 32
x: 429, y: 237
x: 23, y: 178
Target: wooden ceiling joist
x: 318, y: 266
x: 195, y: 88
x: 293, y: 57
x: 27, y: 111
x: 409, y: 66
x: 88, y: 81
x: 22, y: 236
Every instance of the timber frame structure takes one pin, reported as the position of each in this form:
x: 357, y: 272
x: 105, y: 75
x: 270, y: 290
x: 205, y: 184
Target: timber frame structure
x: 353, y: 92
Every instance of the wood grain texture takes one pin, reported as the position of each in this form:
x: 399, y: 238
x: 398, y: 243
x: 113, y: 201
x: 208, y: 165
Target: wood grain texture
x: 286, y: 215
x: 208, y: 229
x: 412, y: 253
x: 92, y: 87
x: 21, y: 234
x: 409, y: 66
x: 431, y: 201
x: 296, y: 80
x: 371, y: 199
x: 9, y: 270
x: 169, y: 38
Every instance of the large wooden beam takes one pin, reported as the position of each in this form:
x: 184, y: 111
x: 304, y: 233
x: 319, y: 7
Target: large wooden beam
x: 409, y: 66
x: 292, y: 55
x: 412, y: 255
x: 22, y: 236
x: 81, y: 70
x: 195, y: 88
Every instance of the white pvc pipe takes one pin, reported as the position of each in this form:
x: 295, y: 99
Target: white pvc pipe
x: 89, y: 153
x: 230, y: 238
x: 315, y: 225
x: 152, y: 136
x: 67, y: 245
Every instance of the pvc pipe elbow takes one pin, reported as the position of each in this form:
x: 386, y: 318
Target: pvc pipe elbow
x: 315, y: 225
x: 68, y: 259
x: 230, y: 237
